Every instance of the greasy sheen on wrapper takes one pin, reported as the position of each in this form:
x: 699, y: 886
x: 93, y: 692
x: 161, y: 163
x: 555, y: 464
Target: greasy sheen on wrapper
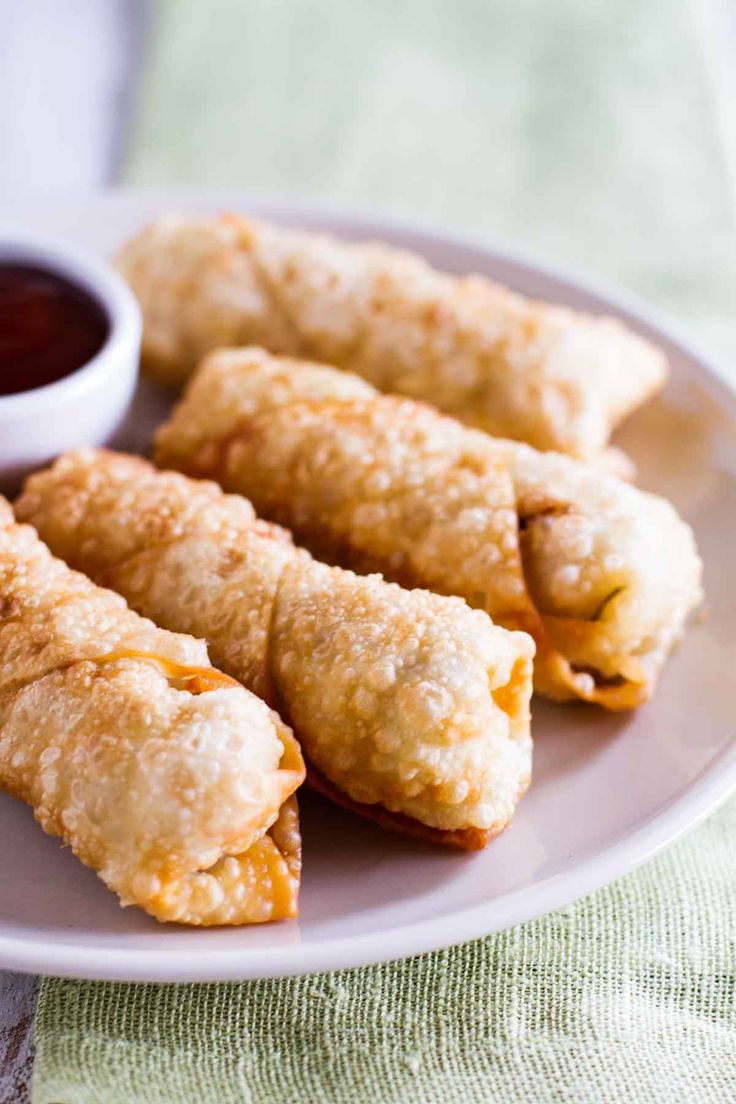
x: 168, y: 778
x: 411, y: 708
x: 537, y: 372
x: 602, y: 574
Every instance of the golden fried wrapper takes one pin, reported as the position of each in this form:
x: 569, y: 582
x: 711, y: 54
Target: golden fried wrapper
x: 410, y: 705
x: 164, y: 775
x: 554, y: 377
x: 600, y: 573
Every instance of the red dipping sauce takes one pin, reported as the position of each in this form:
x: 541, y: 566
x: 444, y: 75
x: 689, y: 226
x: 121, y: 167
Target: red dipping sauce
x: 49, y: 327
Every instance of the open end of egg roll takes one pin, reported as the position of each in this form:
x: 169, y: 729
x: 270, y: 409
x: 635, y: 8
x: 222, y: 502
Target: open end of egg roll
x: 253, y: 886
x: 164, y: 775
x: 613, y: 571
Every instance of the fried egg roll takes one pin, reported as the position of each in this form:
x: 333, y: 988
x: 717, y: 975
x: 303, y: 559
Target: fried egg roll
x: 167, y: 777
x: 602, y: 574
x: 536, y: 372
x: 410, y: 707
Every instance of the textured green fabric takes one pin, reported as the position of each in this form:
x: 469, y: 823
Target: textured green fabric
x: 629, y: 995
x: 592, y: 130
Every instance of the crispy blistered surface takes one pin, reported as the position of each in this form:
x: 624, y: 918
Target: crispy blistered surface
x: 386, y: 485
x: 614, y: 570
x: 405, y: 699
x: 162, y: 790
x: 167, y: 550
x: 600, y: 572
x: 548, y: 375
x: 435, y: 726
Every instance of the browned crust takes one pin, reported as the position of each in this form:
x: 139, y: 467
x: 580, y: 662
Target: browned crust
x: 462, y: 839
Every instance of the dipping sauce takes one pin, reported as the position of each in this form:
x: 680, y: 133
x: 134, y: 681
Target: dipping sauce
x: 49, y: 327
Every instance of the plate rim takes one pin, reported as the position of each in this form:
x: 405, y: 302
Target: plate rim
x: 565, y: 888
x: 709, y: 790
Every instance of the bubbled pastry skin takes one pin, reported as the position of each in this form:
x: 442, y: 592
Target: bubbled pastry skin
x: 164, y: 775
x: 602, y: 574
x: 554, y: 377
x: 405, y: 701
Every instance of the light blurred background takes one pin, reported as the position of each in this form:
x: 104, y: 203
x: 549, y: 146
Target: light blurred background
x: 598, y: 132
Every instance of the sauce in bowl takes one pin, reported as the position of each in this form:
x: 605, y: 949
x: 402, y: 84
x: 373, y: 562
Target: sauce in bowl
x: 49, y: 327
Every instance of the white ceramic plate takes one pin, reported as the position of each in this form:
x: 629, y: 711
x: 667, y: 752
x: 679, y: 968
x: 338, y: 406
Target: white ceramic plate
x: 608, y: 791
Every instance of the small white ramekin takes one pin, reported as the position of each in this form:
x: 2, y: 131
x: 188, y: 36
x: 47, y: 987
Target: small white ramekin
x: 88, y: 406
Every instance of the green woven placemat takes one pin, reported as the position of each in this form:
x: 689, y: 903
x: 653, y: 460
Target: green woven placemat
x: 593, y: 131
x: 629, y: 995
